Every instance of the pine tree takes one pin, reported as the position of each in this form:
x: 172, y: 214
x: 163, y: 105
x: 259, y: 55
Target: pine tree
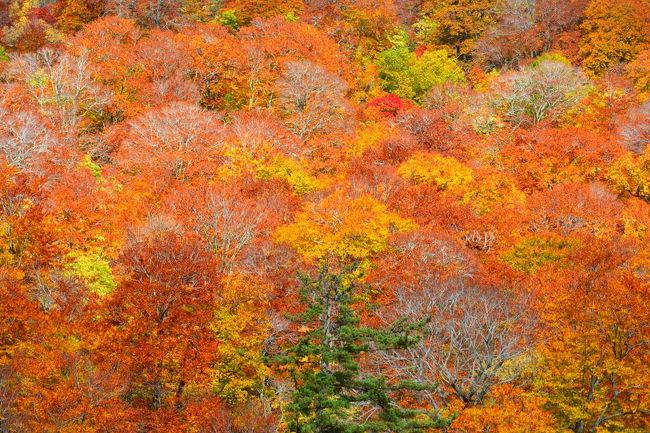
x: 333, y: 394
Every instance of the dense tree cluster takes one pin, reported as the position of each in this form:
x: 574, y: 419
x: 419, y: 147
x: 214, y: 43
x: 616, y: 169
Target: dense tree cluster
x: 242, y: 216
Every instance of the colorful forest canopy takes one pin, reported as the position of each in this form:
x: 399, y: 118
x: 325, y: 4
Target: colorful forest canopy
x: 241, y: 216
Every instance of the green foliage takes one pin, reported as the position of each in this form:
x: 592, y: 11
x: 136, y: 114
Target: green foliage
x: 94, y: 168
x: 399, y: 39
x: 404, y: 73
x: 229, y: 18
x: 531, y: 254
x: 433, y: 68
x: 291, y: 17
x: 393, y: 67
x: 331, y: 389
x: 550, y: 57
x: 3, y: 55
x: 38, y: 80
x: 93, y: 269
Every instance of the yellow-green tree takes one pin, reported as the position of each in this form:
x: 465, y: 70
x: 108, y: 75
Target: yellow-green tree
x: 411, y: 76
x: 241, y: 329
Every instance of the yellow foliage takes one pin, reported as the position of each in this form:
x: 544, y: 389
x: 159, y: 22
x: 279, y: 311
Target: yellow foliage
x: 446, y: 173
x: 493, y: 190
x: 6, y: 257
x: 293, y: 172
x: 342, y: 228
x: 630, y: 175
x: 634, y: 220
x: 368, y: 136
x: 241, y: 327
x: 241, y: 161
x: 93, y: 269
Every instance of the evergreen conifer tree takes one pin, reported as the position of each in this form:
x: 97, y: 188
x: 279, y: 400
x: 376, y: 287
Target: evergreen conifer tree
x: 333, y: 394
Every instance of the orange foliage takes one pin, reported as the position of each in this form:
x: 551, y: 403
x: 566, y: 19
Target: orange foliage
x: 168, y: 168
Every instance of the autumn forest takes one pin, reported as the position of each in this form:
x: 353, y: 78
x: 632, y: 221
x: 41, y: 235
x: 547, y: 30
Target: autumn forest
x: 324, y: 216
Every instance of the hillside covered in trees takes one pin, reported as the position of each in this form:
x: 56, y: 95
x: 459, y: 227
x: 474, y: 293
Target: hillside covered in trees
x: 351, y: 216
